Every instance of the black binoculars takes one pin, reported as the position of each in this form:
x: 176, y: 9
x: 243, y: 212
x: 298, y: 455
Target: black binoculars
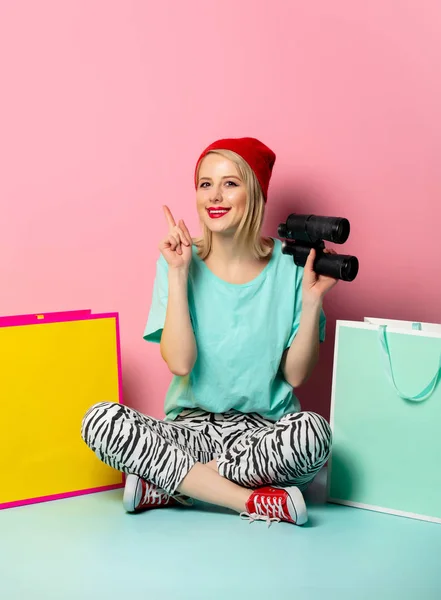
x: 303, y: 232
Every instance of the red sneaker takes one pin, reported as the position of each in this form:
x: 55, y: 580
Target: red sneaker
x: 142, y: 495
x: 276, y: 504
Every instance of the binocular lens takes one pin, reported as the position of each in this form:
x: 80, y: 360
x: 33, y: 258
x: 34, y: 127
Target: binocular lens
x: 341, y: 231
x: 349, y: 268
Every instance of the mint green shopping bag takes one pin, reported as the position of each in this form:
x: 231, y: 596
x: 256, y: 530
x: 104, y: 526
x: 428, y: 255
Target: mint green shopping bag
x: 386, y: 418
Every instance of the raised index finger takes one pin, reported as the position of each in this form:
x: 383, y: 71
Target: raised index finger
x: 169, y: 217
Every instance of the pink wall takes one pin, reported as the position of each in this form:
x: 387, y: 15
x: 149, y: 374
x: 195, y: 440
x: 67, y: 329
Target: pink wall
x: 105, y: 106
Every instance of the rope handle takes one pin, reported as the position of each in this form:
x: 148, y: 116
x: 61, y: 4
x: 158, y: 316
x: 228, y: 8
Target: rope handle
x: 430, y: 387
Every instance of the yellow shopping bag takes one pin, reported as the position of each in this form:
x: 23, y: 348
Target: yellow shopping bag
x: 53, y: 367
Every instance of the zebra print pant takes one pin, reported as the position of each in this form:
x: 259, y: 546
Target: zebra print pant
x: 249, y: 450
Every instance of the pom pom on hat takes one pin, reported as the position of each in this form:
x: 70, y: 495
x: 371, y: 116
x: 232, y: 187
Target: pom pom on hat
x: 259, y: 157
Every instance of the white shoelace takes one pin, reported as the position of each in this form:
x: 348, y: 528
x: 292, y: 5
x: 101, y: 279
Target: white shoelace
x: 269, y: 509
x: 154, y: 495
x: 251, y: 517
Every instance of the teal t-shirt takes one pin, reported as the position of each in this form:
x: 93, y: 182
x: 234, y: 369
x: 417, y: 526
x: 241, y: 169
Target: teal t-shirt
x: 241, y: 331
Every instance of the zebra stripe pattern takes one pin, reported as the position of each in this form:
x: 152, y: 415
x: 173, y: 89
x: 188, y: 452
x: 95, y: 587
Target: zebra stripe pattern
x: 249, y: 450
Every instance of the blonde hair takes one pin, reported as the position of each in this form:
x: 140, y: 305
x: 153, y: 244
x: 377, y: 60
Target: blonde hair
x: 249, y: 231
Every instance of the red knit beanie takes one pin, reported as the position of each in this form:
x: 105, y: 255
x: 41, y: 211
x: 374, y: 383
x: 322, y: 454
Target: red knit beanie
x: 258, y: 156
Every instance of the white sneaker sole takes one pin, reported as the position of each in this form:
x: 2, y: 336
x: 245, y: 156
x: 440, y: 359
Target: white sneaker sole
x: 296, y: 506
x: 130, y: 493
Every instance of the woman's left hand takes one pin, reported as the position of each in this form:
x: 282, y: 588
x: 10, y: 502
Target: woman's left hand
x: 316, y: 286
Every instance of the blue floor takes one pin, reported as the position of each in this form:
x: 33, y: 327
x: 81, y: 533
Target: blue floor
x: 88, y: 548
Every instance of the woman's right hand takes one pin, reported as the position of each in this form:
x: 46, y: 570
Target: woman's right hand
x: 176, y: 246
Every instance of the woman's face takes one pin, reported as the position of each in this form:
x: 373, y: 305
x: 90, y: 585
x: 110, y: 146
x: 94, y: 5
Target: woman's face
x: 221, y: 195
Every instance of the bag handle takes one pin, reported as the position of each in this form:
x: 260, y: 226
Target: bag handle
x: 430, y: 387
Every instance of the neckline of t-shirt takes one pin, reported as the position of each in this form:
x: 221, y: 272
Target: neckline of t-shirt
x: 256, y: 280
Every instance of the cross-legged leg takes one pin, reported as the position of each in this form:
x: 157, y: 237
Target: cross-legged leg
x: 161, y: 452
x: 171, y: 455
x: 289, y: 452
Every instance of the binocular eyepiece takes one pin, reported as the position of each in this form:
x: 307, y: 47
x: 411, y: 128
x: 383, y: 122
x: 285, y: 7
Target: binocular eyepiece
x: 303, y: 232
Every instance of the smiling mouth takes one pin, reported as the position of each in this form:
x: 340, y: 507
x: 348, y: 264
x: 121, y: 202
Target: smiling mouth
x: 217, y: 213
